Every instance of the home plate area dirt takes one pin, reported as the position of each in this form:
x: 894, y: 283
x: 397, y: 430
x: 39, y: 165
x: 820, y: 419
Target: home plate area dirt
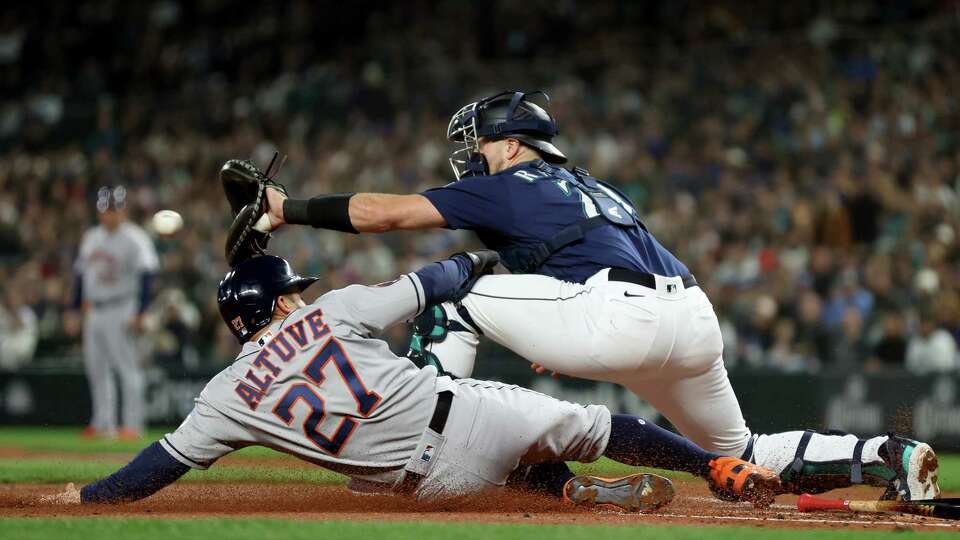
x: 693, y: 506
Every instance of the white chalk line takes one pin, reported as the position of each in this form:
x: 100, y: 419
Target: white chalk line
x: 809, y: 520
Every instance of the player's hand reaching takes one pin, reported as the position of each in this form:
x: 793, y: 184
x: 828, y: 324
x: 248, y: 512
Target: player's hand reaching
x: 275, y: 198
x: 70, y: 495
x: 482, y: 261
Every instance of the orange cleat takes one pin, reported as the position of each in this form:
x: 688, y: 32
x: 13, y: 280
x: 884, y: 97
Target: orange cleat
x: 89, y: 433
x: 735, y: 479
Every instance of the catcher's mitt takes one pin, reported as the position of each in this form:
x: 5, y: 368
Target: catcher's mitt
x: 245, y: 186
x: 248, y: 235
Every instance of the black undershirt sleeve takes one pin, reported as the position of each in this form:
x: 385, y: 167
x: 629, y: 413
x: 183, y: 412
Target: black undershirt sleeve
x: 152, y: 470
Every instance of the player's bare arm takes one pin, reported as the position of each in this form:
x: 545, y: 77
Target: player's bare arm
x: 382, y: 212
x: 362, y: 212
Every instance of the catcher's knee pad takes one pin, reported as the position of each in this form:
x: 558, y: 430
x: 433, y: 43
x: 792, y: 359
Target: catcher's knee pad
x: 432, y: 326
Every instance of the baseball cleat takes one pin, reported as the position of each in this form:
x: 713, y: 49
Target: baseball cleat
x: 127, y: 434
x: 735, y: 479
x: 916, y: 466
x: 641, y: 492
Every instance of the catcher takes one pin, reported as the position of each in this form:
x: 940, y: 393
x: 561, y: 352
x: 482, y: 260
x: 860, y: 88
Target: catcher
x: 595, y: 295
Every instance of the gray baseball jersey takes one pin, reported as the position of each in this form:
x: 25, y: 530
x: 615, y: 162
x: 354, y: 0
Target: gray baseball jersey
x: 318, y: 387
x: 111, y: 262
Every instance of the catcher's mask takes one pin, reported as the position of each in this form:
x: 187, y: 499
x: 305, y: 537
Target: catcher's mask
x: 507, y: 114
x: 248, y: 293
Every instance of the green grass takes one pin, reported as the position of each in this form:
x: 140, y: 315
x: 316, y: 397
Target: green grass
x: 241, y: 528
x: 67, y: 440
x: 95, y: 459
x: 46, y: 471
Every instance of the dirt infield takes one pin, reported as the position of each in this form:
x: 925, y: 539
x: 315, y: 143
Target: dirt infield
x: 693, y: 506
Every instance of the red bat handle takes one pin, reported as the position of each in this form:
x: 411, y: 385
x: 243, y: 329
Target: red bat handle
x: 809, y: 503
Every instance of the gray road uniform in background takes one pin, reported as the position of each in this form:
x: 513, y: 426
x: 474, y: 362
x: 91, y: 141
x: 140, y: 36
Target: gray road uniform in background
x: 318, y: 386
x: 113, y: 268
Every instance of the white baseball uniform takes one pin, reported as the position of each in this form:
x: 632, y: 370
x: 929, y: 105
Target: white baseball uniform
x: 596, y: 296
x: 664, y: 344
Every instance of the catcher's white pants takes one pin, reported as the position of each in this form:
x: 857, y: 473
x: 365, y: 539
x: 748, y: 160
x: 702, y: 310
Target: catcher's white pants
x: 663, y: 344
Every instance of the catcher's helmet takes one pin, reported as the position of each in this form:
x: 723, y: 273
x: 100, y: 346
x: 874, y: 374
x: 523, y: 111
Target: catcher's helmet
x: 248, y: 293
x: 507, y: 114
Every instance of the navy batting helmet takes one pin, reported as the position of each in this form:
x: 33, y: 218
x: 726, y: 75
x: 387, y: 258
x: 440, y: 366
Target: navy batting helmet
x: 507, y: 114
x: 248, y: 293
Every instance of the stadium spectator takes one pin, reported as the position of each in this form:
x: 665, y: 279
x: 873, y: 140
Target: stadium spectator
x: 18, y: 330
x: 932, y: 349
x: 848, y: 348
x: 813, y: 170
x: 813, y: 338
x: 890, y: 351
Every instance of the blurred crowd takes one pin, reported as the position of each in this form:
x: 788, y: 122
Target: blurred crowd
x: 803, y: 160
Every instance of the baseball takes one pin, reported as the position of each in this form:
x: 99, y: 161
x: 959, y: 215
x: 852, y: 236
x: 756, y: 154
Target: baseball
x: 167, y: 222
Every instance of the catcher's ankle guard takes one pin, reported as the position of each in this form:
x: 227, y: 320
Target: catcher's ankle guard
x: 805, y: 476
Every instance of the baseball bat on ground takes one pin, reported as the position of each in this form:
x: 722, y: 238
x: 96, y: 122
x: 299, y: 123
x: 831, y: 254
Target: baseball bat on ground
x: 940, y: 508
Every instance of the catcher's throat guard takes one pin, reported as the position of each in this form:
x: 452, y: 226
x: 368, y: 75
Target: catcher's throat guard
x: 507, y: 114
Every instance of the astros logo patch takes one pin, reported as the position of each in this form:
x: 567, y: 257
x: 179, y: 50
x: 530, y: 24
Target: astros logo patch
x: 427, y: 453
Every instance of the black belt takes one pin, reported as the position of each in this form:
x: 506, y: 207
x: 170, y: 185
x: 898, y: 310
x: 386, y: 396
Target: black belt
x: 439, y: 419
x: 437, y: 422
x: 646, y: 279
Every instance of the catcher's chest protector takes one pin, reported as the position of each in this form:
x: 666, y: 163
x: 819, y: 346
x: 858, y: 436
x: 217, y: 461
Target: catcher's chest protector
x: 612, y: 208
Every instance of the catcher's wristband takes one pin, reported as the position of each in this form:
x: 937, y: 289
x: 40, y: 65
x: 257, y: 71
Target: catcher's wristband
x: 324, y: 212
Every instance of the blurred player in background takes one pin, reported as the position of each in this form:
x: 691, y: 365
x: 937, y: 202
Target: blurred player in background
x: 114, y: 273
